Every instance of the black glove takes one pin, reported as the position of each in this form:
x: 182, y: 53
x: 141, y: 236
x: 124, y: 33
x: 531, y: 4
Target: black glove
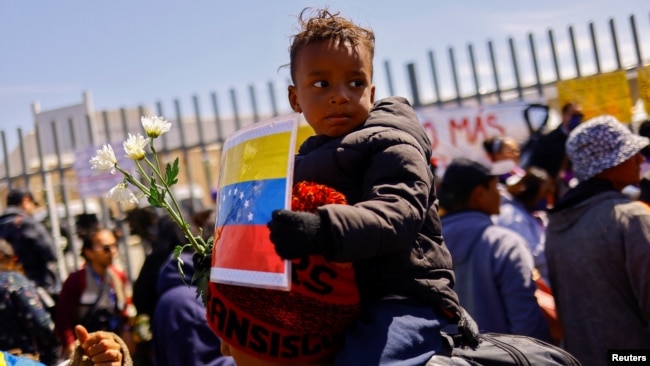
x: 297, y: 234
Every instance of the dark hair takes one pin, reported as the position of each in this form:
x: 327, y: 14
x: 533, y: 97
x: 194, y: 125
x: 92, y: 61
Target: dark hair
x: 532, y: 182
x: 322, y: 25
x: 567, y: 106
x: 493, y: 145
x: 88, y: 239
x: 453, y: 200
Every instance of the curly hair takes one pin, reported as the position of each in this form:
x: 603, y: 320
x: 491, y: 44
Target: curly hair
x: 322, y: 25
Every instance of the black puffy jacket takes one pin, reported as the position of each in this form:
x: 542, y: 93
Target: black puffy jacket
x: 390, y: 228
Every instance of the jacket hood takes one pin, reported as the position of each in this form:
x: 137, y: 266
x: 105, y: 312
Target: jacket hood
x: 397, y: 112
x: 462, y: 230
x: 392, y: 112
x: 169, y: 277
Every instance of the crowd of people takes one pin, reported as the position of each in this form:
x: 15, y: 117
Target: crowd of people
x: 506, y: 233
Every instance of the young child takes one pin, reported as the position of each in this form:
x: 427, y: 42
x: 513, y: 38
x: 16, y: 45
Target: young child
x: 377, y: 154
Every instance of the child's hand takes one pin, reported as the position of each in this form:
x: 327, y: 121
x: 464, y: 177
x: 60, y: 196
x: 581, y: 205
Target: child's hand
x: 297, y: 234
x: 100, y: 347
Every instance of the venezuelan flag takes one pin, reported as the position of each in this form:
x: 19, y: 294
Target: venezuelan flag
x: 255, y: 179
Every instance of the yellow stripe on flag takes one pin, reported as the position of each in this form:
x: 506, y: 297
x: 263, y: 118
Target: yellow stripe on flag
x: 257, y: 159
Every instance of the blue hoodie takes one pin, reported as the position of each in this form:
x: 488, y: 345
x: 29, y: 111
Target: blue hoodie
x: 493, y: 268
x: 181, y: 335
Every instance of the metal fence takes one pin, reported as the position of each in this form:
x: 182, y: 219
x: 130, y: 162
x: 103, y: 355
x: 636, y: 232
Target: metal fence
x: 45, y: 158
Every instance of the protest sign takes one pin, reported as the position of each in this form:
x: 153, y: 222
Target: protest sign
x: 255, y: 178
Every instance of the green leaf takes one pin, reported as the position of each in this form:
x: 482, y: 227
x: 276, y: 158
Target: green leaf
x: 171, y: 173
x: 155, y: 198
x: 179, y: 261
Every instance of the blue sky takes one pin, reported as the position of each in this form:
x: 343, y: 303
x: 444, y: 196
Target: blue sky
x: 128, y: 53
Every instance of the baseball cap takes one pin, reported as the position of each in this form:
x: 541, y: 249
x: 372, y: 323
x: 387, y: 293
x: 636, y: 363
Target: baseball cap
x: 601, y: 143
x: 16, y: 196
x: 463, y: 175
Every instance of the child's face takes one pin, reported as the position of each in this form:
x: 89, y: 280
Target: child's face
x: 333, y: 87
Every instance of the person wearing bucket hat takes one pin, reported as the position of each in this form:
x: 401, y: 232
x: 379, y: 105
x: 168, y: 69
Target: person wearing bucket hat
x: 493, y: 264
x: 598, y: 245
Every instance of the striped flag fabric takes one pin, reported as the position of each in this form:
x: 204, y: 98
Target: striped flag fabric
x: 255, y: 178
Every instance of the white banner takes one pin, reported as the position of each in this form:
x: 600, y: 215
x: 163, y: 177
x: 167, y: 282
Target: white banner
x: 461, y: 131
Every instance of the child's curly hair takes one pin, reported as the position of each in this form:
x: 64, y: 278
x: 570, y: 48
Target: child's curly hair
x: 322, y: 25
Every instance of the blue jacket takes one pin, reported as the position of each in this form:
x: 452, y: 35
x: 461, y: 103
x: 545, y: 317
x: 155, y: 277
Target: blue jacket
x: 181, y: 335
x: 493, y: 268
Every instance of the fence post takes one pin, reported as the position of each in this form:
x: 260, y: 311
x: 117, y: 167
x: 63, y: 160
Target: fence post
x: 574, y: 47
x: 413, y: 82
x: 6, y: 156
x: 594, y: 44
x: 472, y: 63
x: 495, y: 72
x: 612, y: 30
x: 452, y: 62
x: 434, y: 74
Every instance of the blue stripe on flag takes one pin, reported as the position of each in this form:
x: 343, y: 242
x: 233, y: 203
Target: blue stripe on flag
x: 251, y: 202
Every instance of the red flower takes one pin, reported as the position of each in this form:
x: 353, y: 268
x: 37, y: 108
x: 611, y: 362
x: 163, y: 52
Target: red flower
x: 308, y: 196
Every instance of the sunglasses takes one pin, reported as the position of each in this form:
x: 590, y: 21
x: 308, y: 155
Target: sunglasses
x: 108, y: 248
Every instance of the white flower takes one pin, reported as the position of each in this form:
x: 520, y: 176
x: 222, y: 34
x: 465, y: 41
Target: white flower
x: 155, y: 126
x: 104, y: 160
x: 134, y: 147
x: 121, y: 193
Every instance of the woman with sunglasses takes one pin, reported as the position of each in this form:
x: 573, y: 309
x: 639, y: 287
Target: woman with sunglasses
x: 98, y: 296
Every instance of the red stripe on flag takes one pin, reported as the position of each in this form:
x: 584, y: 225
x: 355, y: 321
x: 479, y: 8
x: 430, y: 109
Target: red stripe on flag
x: 246, y: 247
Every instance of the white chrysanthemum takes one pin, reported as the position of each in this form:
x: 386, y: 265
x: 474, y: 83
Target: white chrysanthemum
x: 122, y: 194
x: 155, y: 126
x: 104, y: 160
x: 134, y: 146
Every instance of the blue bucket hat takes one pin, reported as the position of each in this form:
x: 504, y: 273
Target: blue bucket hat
x: 601, y: 143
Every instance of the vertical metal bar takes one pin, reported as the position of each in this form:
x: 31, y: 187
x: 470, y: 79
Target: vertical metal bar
x: 199, y: 129
x: 233, y: 99
x: 251, y: 93
x: 125, y: 127
x: 434, y: 73
x: 107, y: 131
x: 186, y: 162
x: 612, y: 30
x: 495, y: 72
x: 515, y: 67
x: 5, y: 152
x: 274, y: 105
x: 107, y: 134
x: 389, y: 78
x: 91, y: 140
x: 165, y: 142
x: 73, y: 144
x: 91, y: 137
x: 41, y: 160
x: 120, y: 212
x: 533, y: 53
x: 472, y: 62
x: 199, y: 123
x: 64, y: 194
x: 452, y: 61
x: 635, y: 37
x: 23, y: 158
x: 217, y: 118
x: 574, y: 47
x: 594, y: 44
x: 413, y: 82
x: 556, y: 64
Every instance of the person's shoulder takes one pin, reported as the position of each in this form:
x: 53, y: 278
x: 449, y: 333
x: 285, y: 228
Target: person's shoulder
x: 16, y: 279
x: 505, y: 237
